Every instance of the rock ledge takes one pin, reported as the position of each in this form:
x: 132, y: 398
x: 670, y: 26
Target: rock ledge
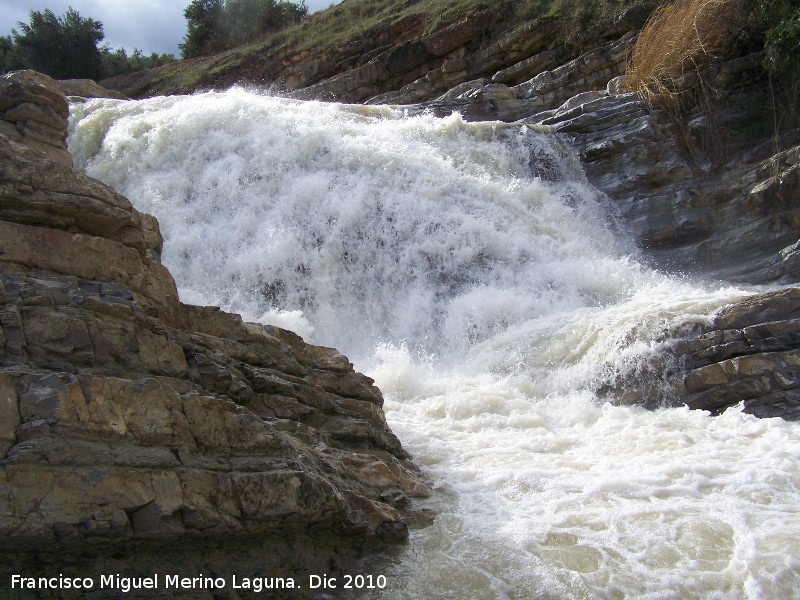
x: 130, y: 422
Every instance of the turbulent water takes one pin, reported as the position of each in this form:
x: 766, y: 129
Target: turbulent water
x: 471, y: 270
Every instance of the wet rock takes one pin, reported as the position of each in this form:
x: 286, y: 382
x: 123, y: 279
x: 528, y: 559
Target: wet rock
x: 749, y: 354
x: 689, y: 205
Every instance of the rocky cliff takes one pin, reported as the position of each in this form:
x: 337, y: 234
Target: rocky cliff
x: 133, y: 425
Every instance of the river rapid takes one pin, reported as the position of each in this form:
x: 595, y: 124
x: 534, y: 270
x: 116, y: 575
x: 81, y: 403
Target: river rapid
x: 471, y: 270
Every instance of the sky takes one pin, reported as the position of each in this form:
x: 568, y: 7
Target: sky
x: 150, y: 25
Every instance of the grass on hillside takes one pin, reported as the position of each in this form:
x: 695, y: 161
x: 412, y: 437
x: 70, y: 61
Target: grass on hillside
x: 575, y: 16
x: 357, y: 24
x: 352, y: 20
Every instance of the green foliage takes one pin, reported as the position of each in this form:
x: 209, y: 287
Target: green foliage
x: 64, y: 47
x: 117, y: 62
x: 204, y: 31
x: 782, y: 37
x: 9, y: 61
x: 215, y: 25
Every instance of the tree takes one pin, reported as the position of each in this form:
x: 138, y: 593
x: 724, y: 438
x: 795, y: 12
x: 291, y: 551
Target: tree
x: 63, y: 47
x: 8, y: 56
x: 214, y: 25
x: 242, y: 19
x: 117, y: 62
x: 204, y: 29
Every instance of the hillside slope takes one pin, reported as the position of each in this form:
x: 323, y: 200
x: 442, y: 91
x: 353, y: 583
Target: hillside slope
x: 363, y: 48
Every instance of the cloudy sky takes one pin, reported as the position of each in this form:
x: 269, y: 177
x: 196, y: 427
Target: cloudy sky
x: 150, y: 25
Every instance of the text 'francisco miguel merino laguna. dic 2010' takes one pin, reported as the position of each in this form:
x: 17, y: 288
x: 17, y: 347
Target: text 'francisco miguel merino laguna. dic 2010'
x: 177, y: 582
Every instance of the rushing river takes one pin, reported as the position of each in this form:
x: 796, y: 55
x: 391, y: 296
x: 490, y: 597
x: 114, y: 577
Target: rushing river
x: 472, y: 271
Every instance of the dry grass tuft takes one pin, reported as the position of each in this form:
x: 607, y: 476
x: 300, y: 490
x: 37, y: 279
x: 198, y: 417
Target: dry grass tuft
x: 678, y: 42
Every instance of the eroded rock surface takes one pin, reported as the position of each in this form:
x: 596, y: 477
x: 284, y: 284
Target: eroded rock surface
x: 34, y: 111
x: 750, y: 354
x: 128, y: 419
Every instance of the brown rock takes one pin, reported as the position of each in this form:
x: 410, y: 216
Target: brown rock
x: 128, y: 419
x: 34, y: 105
x: 86, y: 88
x: 9, y: 413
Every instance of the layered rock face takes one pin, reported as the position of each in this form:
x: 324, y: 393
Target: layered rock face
x: 698, y: 195
x: 33, y: 111
x: 750, y: 355
x: 128, y: 419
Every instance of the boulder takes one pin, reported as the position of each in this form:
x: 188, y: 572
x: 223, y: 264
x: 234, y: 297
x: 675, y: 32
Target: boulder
x: 34, y: 111
x: 86, y: 88
x: 130, y: 422
x: 749, y: 354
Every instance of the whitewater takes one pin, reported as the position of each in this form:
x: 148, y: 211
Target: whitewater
x: 497, y: 301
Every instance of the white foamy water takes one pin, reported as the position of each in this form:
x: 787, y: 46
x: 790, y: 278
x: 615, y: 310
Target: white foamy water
x: 475, y: 275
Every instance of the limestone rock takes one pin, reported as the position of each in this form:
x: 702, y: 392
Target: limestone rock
x: 128, y: 419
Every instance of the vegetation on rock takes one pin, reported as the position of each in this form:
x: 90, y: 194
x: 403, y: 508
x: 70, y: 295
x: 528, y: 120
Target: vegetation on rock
x: 782, y: 38
x: 679, y: 42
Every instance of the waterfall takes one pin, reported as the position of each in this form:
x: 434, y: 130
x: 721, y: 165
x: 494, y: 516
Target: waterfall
x: 488, y: 288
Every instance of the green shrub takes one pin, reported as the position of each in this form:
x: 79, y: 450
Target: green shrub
x: 64, y: 47
x: 782, y: 38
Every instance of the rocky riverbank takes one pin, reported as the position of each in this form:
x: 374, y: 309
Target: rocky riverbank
x: 132, y: 424
x: 136, y: 423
